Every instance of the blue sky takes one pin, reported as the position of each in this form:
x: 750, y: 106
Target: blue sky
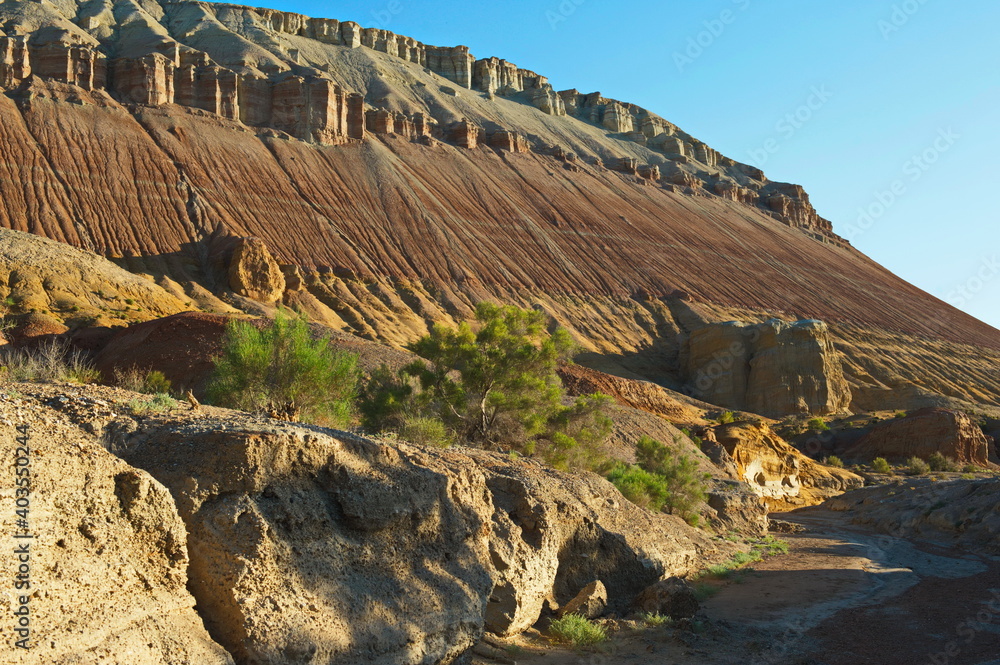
x: 887, y: 111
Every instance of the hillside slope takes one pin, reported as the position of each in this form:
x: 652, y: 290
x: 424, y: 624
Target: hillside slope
x: 407, y: 181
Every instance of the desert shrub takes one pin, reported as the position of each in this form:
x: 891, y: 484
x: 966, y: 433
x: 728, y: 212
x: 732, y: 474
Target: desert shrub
x: 727, y: 418
x: 138, y: 381
x: 817, y: 425
x: 575, y: 630
x: 425, y: 431
x: 917, y: 467
x: 834, y: 461
x: 159, y: 403
x: 881, y: 465
x: 662, y: 480
x: 281, y: 369
x: 50, y: 361
x: 655, y: 620
x: 640, y: 486
x: 494, y: 387
x: 939, y: 462
x: 971, y: 468
x: 900, y: 414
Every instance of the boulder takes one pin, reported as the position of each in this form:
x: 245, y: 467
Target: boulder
x: 785, y: 478
x: 253, y: 272
x: 590, y: 603
x: 108, y: 565
x: 738, y: 508
x: 311, y: 545
x: 774, y: 368
x: 925, y: 432
x: 673, y: 597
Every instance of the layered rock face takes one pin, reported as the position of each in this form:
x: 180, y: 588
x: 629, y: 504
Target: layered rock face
x: 774, y: 369
x: 363, y: 160
x: 311, y: 546
x: 106, y: 572
x: 784, y: 477
x: 924, y: 433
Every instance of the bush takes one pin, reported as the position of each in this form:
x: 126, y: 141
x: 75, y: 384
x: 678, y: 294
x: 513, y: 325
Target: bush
x: 655, y: 620
x: 817, y: 425
x: 495, y: 387
x: 50, y: 361
x: 158, y: 404
x: 917, y: 467
x: 834, y: 461
x: 425, y: 432
x: 280, y: 370
x: 727, y: 418
x: 662, y: 480
x: 971, y: 468
x: 149, y: 383
x: 574, y: 629
x: 881, y: 465
x: 939, y: 462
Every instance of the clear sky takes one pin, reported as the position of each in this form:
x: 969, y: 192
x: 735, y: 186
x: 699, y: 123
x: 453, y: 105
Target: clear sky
x: 887, y: 111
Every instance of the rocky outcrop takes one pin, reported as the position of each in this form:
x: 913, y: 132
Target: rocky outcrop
x: 784, y: 477
x: 962, y: 512
x: 253, y: 272
x: 104, y: 577
x: 315, y: 545
x: 774, y: 369
x: 924, y: 433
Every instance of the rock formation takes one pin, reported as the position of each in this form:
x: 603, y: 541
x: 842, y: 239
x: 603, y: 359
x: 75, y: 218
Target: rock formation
x: 962, y: 512
x: 784, y: 477
x: 774, y: 369
x: 254, y: 273
x: 108, y: 565
x: 924, y: 433
x: 290, y: 530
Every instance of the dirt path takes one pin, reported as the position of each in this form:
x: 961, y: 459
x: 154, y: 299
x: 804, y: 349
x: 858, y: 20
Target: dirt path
x: 842, y: 596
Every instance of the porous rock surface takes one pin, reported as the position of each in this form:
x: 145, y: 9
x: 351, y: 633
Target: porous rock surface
x: 308, y: 544
x: 109, y: 561
x: 924, y: 433
x: 254, y: 273
x: 773, y: 369
x: 785, y: 478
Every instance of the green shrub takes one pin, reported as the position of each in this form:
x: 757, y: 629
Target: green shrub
x: 655, y: 620
x: 834, y: 461
x: 426, y: 432
x: 494, y: 387
x: 639, y: 486
x: 727, y: 418
x: 577, y: 631
x: 939, y: 462
x: 155, y: 382
x: 281, y: 370
x: 157, y: 404
x: 684, y: 483
x: 900, y: 414
x: 971, y: 468
x: 817, y: 425
x: 917, y: 467
x: 881, y: 465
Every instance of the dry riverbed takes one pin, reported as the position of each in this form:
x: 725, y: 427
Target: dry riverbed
x: 843, y: 595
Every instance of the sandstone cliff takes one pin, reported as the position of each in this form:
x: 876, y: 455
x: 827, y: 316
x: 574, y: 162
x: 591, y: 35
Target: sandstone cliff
x: 389, y: 176
x: 773, y: 369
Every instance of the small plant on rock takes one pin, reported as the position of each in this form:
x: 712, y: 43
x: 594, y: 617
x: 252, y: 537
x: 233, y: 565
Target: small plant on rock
x: 727, y: 418
x: 834, y: 461
x: 577, y: 631
x: 817, y: 425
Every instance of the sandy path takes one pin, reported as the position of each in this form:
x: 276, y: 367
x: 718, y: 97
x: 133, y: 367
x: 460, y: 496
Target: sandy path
x: 842, y: 596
